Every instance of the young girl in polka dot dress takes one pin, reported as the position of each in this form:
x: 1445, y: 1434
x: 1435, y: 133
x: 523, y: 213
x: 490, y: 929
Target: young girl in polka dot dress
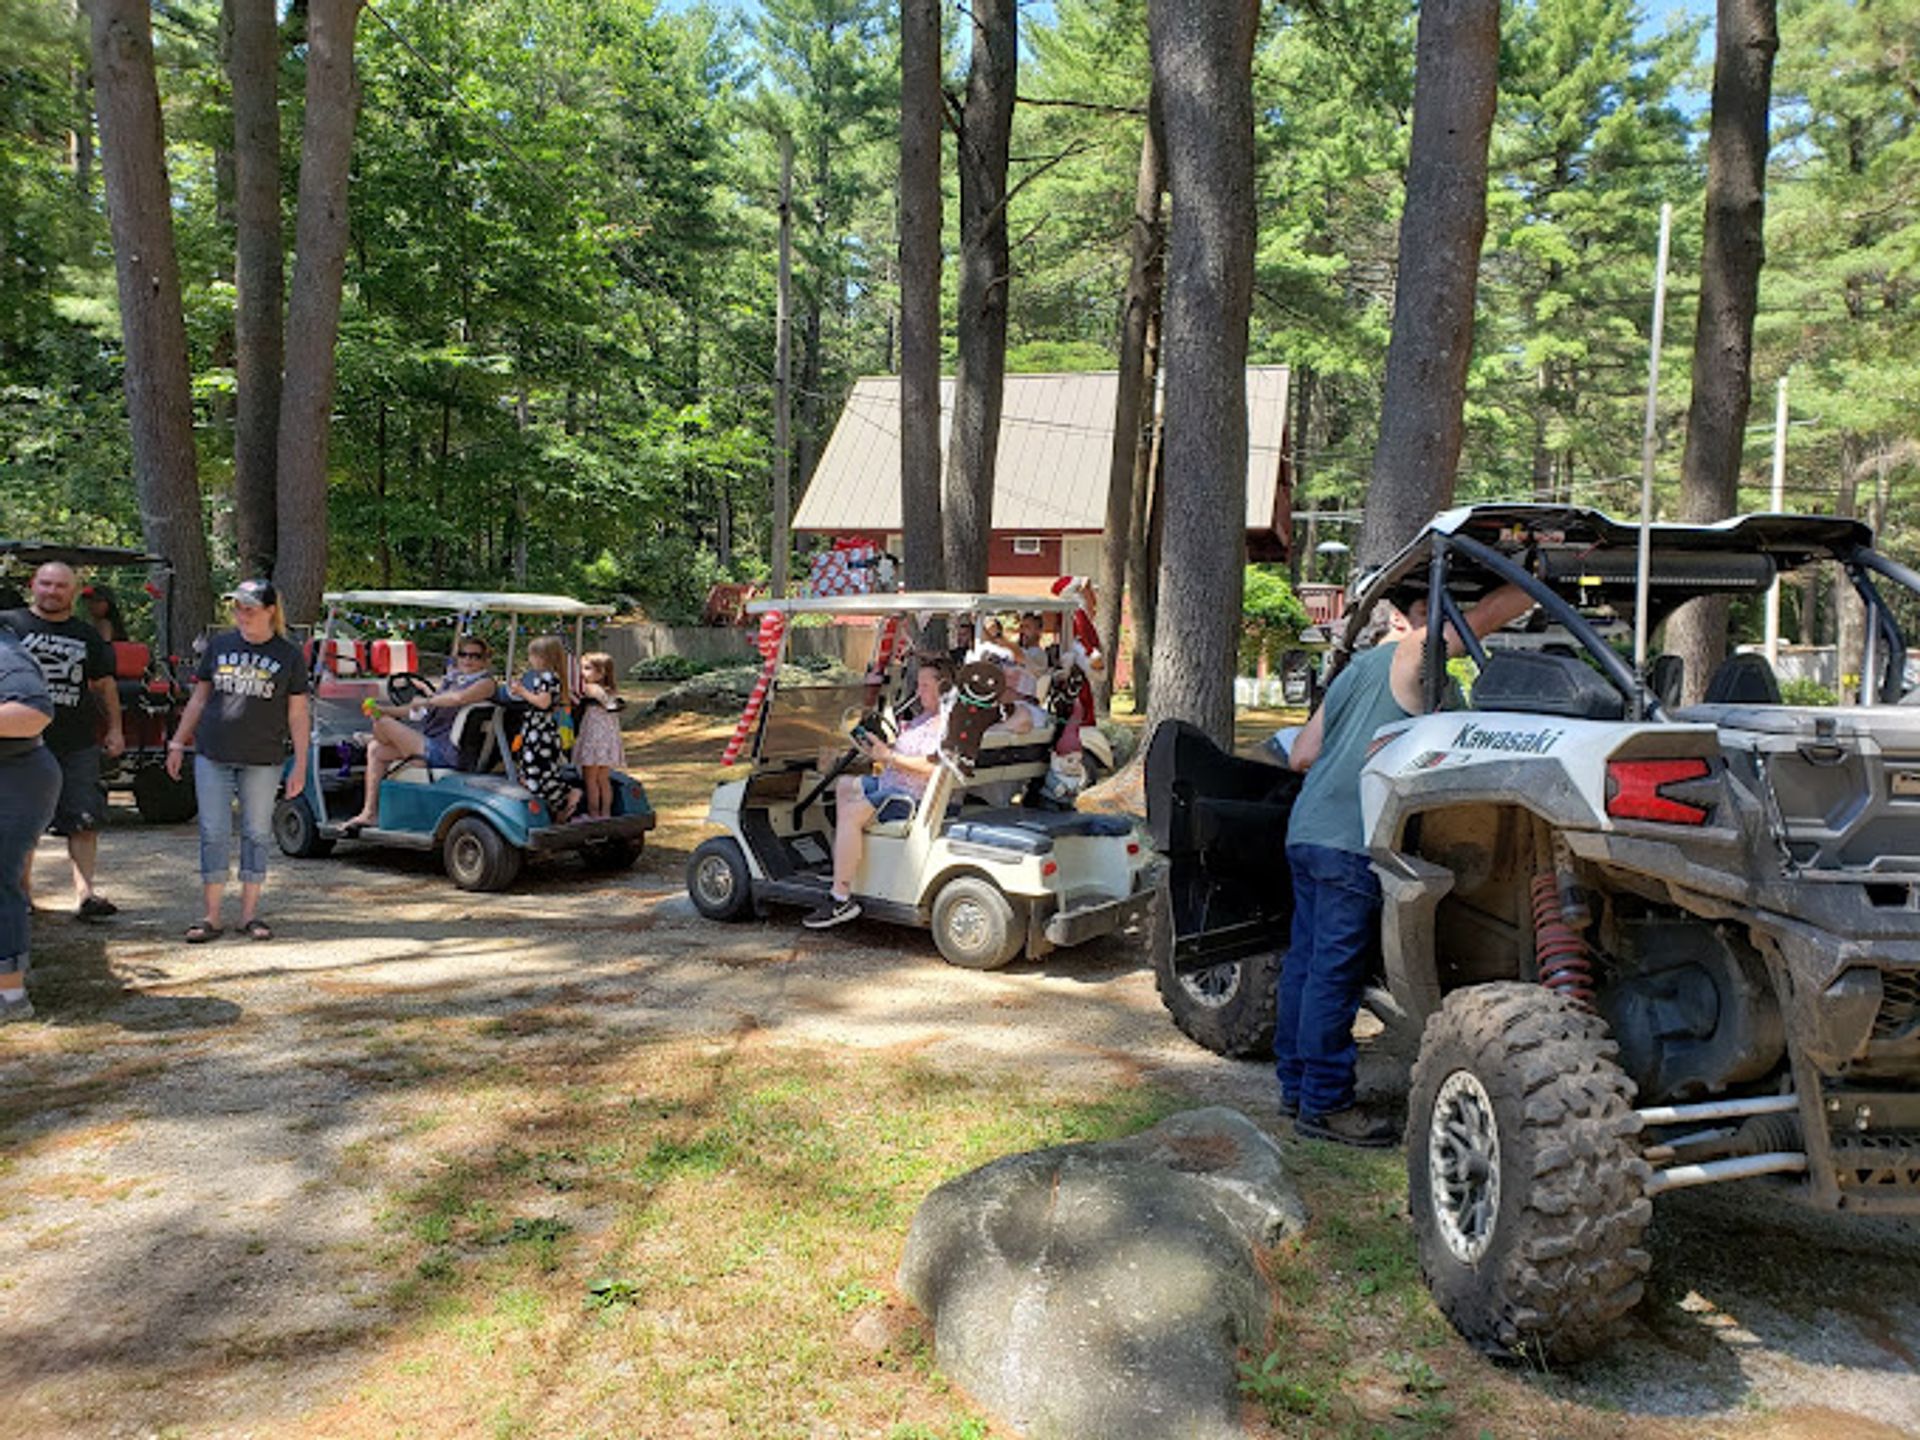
x: 541, y: 751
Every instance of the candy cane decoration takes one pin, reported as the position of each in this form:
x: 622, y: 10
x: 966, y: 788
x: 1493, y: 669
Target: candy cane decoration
x: 773, y: 630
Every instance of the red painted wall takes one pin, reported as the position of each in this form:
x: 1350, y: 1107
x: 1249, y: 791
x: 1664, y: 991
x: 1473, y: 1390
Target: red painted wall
x: 1002, y: 561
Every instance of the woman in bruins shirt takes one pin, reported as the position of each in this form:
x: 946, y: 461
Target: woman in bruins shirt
x: 249, y: 699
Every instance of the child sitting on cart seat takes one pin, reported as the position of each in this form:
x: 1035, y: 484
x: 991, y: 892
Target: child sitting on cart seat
x: 395, y: 738
x: 908, y: 763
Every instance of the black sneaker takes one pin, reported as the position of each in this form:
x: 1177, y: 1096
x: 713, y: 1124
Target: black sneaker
x: 831, y: 912
x: 1351, y: 1126
x: 96, y: 907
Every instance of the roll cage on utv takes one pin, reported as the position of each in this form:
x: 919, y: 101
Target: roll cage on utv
x: 1645, y: 946
x: 152, y: 684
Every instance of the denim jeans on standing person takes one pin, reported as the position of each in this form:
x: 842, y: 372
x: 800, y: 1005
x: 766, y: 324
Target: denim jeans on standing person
x: 29, y: 786
x: 214, y: 786
x: 1336, y: 933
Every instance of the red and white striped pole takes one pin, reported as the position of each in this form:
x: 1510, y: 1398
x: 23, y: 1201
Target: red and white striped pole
x: 773, y: 630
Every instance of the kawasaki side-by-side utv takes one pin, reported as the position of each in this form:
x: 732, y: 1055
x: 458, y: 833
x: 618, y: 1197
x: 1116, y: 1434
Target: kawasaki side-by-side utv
x: 1645, y: 946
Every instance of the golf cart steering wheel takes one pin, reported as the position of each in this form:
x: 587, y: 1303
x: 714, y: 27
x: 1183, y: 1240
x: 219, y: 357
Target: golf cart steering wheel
x: 407, y: 687
x: 840, y: 766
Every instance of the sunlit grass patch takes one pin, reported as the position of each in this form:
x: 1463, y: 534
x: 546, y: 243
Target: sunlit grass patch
x: 748, y: 1205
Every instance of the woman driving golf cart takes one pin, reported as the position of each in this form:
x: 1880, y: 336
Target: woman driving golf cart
x: 397, y: 738
x: 908, y: 762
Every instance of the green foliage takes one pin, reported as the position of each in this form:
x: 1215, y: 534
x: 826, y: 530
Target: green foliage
x: 1802, y: 691
x: 557, y: 324
x: 674, y: 668
x: 1272, y: 616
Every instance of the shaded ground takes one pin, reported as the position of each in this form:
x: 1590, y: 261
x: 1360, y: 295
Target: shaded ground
x: 358, y: 1181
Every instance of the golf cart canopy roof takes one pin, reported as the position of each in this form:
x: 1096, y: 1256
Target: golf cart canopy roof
x: 469, y: 602
x: 90, y: 557
x: 915, y: 602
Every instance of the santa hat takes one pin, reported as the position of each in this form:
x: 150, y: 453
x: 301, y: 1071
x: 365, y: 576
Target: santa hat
x: 1069, y: 585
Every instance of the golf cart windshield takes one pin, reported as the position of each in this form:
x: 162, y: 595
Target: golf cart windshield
x: 807, y: 712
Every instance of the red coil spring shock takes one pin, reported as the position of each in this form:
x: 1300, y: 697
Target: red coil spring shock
x: 1561, y: 953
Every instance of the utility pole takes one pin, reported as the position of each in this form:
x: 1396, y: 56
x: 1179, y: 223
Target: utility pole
x: 1648, y: 436
x: 1779, y: 500
x: 782, y: 375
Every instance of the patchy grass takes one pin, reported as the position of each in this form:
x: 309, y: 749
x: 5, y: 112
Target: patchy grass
x: 685, y: 1237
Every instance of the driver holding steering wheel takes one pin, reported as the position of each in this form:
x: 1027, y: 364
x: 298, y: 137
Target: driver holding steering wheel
x: 395, y: 738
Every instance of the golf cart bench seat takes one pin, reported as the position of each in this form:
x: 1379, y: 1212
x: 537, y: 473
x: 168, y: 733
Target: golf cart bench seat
x: 1031, y: 832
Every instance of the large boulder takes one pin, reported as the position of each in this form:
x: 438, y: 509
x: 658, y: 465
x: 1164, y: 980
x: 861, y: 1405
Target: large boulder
x: 1104, y: 1290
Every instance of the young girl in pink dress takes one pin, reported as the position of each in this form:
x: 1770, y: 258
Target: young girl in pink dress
x: 597, y: 749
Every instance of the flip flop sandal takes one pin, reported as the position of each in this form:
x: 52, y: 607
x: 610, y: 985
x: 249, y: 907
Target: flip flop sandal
x: 258, y: 930
x: 200, y: 932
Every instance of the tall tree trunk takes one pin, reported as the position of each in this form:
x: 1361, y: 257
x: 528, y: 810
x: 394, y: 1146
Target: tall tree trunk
x: 1203, y: 72
x: 920, y: 206
x: 80, y: 80
x: 1421, y: 427
x: 985, y: 126
x: 313, y: 310
x: 1746, y: 37
x: 522, y: 422
x: 1149, y: 530
x: 159, y: 396
x: 254, y: 71
x: 1144, y: 274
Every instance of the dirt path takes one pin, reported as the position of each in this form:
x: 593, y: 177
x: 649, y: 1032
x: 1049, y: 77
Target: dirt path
x: 188, y: 1212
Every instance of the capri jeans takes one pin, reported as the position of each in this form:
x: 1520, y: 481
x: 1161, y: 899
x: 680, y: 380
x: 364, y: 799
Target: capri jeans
x: 214, y: 785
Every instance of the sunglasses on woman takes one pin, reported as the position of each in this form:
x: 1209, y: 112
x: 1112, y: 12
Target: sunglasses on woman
x: 471, y: 654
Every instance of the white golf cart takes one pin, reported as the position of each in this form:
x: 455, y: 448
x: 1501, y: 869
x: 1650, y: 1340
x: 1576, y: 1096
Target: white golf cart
x: 989, y: 877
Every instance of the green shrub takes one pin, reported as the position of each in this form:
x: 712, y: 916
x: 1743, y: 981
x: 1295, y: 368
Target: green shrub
x: 671, y: 667
x: 1802, y: 691
x: 1271, y: 616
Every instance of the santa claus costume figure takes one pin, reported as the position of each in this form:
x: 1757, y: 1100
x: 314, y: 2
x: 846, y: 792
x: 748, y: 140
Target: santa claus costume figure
x: 1078, y: 650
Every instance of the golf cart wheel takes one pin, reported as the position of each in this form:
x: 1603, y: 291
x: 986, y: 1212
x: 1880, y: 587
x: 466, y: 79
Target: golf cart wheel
x: 973, y: 924
x: 478, y: 857
x: 1524, y: 1174
x: 718, y: 881
x: 297, y: 832
x: 613, y: 855
x: 161, y: 799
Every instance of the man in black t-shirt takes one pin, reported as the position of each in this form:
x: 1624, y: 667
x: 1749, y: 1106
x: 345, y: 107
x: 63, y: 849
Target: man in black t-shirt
x: 77, y: 666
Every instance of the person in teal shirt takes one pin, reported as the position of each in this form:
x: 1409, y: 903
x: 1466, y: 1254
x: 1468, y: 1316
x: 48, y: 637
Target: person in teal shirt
x: 1336, y: 895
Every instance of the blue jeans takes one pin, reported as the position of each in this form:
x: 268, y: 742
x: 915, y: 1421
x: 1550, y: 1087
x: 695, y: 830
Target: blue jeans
x: 215, y: 785
x: 1336, y: 930
x: 29, y: 786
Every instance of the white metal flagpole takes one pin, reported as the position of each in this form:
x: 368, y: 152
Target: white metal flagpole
x: 1646, y: 449
x: 1778, y: 501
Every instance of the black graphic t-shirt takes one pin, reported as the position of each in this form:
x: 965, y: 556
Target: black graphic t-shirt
x: 245, y: 722
x: 71, y: 655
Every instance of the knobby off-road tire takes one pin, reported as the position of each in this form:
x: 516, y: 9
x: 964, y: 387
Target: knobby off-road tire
x: 478, y: 857
x: 297, y: 833
x: 1229, y: 1009
x: 1524, y: 1173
